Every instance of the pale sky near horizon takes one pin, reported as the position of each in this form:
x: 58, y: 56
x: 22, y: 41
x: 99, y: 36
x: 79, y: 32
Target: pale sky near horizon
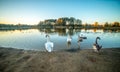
x: 33, y: 11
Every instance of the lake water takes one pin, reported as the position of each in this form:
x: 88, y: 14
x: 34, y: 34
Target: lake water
x: 34, y: 39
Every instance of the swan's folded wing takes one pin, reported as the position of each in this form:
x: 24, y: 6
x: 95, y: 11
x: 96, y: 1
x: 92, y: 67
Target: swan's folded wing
x: 49, y: 46
x: 52, y: 44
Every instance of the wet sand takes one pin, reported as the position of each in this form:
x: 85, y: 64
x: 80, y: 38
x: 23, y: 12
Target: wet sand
x: 18, y: 60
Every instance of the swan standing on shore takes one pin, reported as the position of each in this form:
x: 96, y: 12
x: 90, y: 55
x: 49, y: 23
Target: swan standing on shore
x: 69, y: 39
x: 96, y: 46
x: 49, y: 45
x: 81, y: 37
x: 79, y: 40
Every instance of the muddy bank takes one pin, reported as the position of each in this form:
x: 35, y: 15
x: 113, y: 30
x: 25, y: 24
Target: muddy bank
x: 18, y: 60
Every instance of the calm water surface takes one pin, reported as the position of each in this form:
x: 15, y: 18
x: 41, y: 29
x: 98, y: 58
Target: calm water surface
x: 34, y: 39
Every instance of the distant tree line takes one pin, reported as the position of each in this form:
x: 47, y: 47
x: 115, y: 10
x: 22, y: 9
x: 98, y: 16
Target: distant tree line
x: 115, y: 24
x: 60, y: 22
x: 64, y: 22
x: 74, y: 23
x: 18, y: 26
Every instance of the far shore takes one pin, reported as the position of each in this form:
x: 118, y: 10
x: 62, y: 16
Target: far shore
x: 58, y: 27
x: 86, y: 60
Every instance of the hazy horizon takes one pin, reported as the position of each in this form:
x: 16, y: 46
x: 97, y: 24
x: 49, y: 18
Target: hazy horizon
x: 33, y: 11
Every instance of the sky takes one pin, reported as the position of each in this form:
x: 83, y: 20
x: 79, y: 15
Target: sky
x: 34, y: 11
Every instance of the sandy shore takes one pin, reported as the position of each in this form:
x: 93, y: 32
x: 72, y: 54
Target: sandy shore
x: 18, y: 60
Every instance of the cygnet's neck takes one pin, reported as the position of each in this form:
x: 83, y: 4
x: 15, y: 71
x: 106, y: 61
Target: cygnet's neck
x: 48, y: 39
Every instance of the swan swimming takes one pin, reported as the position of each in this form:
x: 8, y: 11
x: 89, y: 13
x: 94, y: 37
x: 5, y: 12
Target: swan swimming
x: 96, y: 46
x: 49, y: 45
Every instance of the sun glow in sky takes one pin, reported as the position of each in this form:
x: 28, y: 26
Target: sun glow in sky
x: 33, y: 11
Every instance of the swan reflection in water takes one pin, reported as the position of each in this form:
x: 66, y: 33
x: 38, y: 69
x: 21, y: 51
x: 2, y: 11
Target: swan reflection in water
x: 49, y: 45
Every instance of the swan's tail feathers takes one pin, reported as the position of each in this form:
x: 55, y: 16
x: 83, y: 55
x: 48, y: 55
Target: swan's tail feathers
x: 99, y: 47
x: 52, y: 45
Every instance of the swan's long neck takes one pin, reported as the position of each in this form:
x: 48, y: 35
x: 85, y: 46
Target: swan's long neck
x: 48, y: 39
x: 96, y: 42
x: 69, y: 37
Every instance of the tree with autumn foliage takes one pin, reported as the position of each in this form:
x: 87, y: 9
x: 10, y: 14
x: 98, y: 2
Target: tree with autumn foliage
x: 116, y: 24
x: 96, y: 24
x: 60, y: 21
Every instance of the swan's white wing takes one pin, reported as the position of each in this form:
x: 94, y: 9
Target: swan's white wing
x: 94, y: 48
x: 52, y: 46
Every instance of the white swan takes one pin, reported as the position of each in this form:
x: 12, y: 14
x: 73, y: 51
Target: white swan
x: 49, y: 45
x: 96, y: 46
x: 69, y: 38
